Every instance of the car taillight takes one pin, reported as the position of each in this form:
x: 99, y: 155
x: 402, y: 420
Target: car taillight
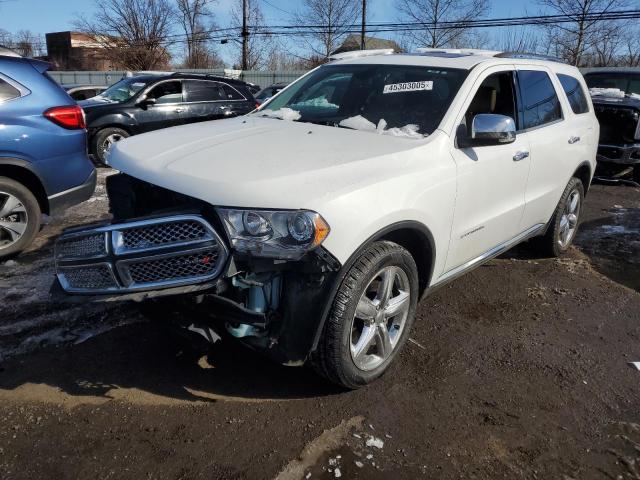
x: 70, y: 116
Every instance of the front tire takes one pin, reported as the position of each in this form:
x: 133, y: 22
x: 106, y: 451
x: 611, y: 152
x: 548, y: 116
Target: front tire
x: 564, y: 224
x: 19, y: 217
x: 103, y: 140
x: 371, y: 316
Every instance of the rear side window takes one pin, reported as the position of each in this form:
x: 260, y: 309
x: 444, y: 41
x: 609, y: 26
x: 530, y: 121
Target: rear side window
x: 575, y: 93
x: 540, y: 102
x: 203, y: 91
x: 8, y: 91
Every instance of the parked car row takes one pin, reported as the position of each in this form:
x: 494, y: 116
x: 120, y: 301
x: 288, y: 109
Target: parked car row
x: 354, y: 192
x: 45, y: 136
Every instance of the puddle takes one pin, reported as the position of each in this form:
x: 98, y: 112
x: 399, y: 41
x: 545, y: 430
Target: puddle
x: 613, y: 245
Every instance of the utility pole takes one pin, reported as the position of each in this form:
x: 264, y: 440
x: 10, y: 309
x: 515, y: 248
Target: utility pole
x: 363, y: 45
x: 245, y: 35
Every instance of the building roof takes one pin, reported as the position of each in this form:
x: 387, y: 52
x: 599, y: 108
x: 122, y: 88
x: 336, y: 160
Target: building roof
x: 352, y: 42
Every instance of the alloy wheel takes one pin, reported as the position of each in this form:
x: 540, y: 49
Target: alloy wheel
x: 569, y: 219
x: 13, y: 219
x: 380, y: 318
x: 110, y: 140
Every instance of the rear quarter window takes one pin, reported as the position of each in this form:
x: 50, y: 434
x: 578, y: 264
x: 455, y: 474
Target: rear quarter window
x: 7, y: 91
x: 575, y: 93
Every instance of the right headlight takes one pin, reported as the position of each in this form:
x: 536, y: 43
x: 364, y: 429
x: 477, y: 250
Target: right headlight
x: 281, y: 234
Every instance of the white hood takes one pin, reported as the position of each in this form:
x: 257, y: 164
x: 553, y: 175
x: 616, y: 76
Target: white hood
x: 261, y: 162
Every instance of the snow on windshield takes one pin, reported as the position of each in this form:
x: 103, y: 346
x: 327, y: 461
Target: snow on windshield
x: 319, y: 102
x: 611, y: 93
x: 360, y: 123
x: 607, y: 92
x: 282, y: 113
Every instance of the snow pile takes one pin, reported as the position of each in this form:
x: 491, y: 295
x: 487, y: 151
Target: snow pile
x: 282, y: 114
x: 606, y: 92
x: 320, y: 102
x: 360, y: 123
x: 375, y: 442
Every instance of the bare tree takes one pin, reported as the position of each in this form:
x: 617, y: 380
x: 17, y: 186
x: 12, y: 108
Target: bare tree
x: 434, y: 13
x: 332, y: 21
x: 132, y: 33
x: 24, y: 42
x: 575, y: 41
x: 192, y: 16
x: 259, y: 42
x: 518, y: 39
x: 631, y: 48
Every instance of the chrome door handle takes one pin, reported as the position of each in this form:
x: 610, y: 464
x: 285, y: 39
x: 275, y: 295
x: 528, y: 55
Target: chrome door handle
x: 179, y: 110
x: 573, y: 140
x: 521, y: 155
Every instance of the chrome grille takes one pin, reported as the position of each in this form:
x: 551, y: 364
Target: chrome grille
x: 143, y: 255
x: 82, y: 246
x: 164, y: 234
x: 87, y: 277
x: 184, y: 266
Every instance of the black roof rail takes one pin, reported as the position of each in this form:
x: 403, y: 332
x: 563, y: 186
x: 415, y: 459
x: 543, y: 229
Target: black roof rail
x: 207, y: 75
x: 529, y: 56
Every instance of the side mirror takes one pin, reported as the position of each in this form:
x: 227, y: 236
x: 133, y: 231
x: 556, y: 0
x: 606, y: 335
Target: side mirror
x: 146, y: 101
x: 491, y: 129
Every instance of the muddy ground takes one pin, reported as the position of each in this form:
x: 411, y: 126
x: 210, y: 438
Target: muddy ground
x: 518, y: 370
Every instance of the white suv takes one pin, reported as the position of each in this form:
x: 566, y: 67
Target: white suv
x: 311, y: 228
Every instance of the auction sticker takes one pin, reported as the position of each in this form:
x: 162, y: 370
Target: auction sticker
x: 408, y: 87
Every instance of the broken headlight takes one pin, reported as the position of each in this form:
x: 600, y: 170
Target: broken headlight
x: 282, y: 234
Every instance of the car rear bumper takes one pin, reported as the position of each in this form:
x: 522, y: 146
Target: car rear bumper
x: 619, y: 154
x: 63, y: 200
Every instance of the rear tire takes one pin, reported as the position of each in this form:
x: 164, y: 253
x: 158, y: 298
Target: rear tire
x: 103, y: 140
x: 19, y: 217
x: 369, y: 322
x: 563, y: 226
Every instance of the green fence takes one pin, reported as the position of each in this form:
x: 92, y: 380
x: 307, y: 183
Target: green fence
x: 262, y: 78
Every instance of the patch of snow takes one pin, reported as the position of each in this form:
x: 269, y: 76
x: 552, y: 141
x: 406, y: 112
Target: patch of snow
x: 360, y: 464
x: 375, y: 442
x: 320, y: 102
x: 606, y: 92
x: 282, y: 114
x: 10, y: 263
x: 369, y: 457
x: 360, y: 123
x: 337, y: 473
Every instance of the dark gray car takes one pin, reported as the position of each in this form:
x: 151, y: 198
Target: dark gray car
x: 144, y: 103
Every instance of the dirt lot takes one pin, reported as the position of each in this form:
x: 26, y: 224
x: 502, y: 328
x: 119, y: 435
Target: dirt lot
x: 518, y: 370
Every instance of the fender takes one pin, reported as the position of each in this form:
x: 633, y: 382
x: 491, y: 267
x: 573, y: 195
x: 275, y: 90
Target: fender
x: 384, y: 233
x: 117, y: 120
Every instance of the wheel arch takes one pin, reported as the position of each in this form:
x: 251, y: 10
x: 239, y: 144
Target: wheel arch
x: 584, y: 173
x: 412, y: 235
x: 15, y: 170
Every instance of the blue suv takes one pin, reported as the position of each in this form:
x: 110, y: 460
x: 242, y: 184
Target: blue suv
x: 44, y: 166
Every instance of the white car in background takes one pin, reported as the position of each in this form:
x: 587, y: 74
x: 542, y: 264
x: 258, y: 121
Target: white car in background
x: 311, y: 228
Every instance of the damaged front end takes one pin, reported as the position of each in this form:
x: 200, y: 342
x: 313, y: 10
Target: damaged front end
x: 619, y: 144
x: 259, y: 274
